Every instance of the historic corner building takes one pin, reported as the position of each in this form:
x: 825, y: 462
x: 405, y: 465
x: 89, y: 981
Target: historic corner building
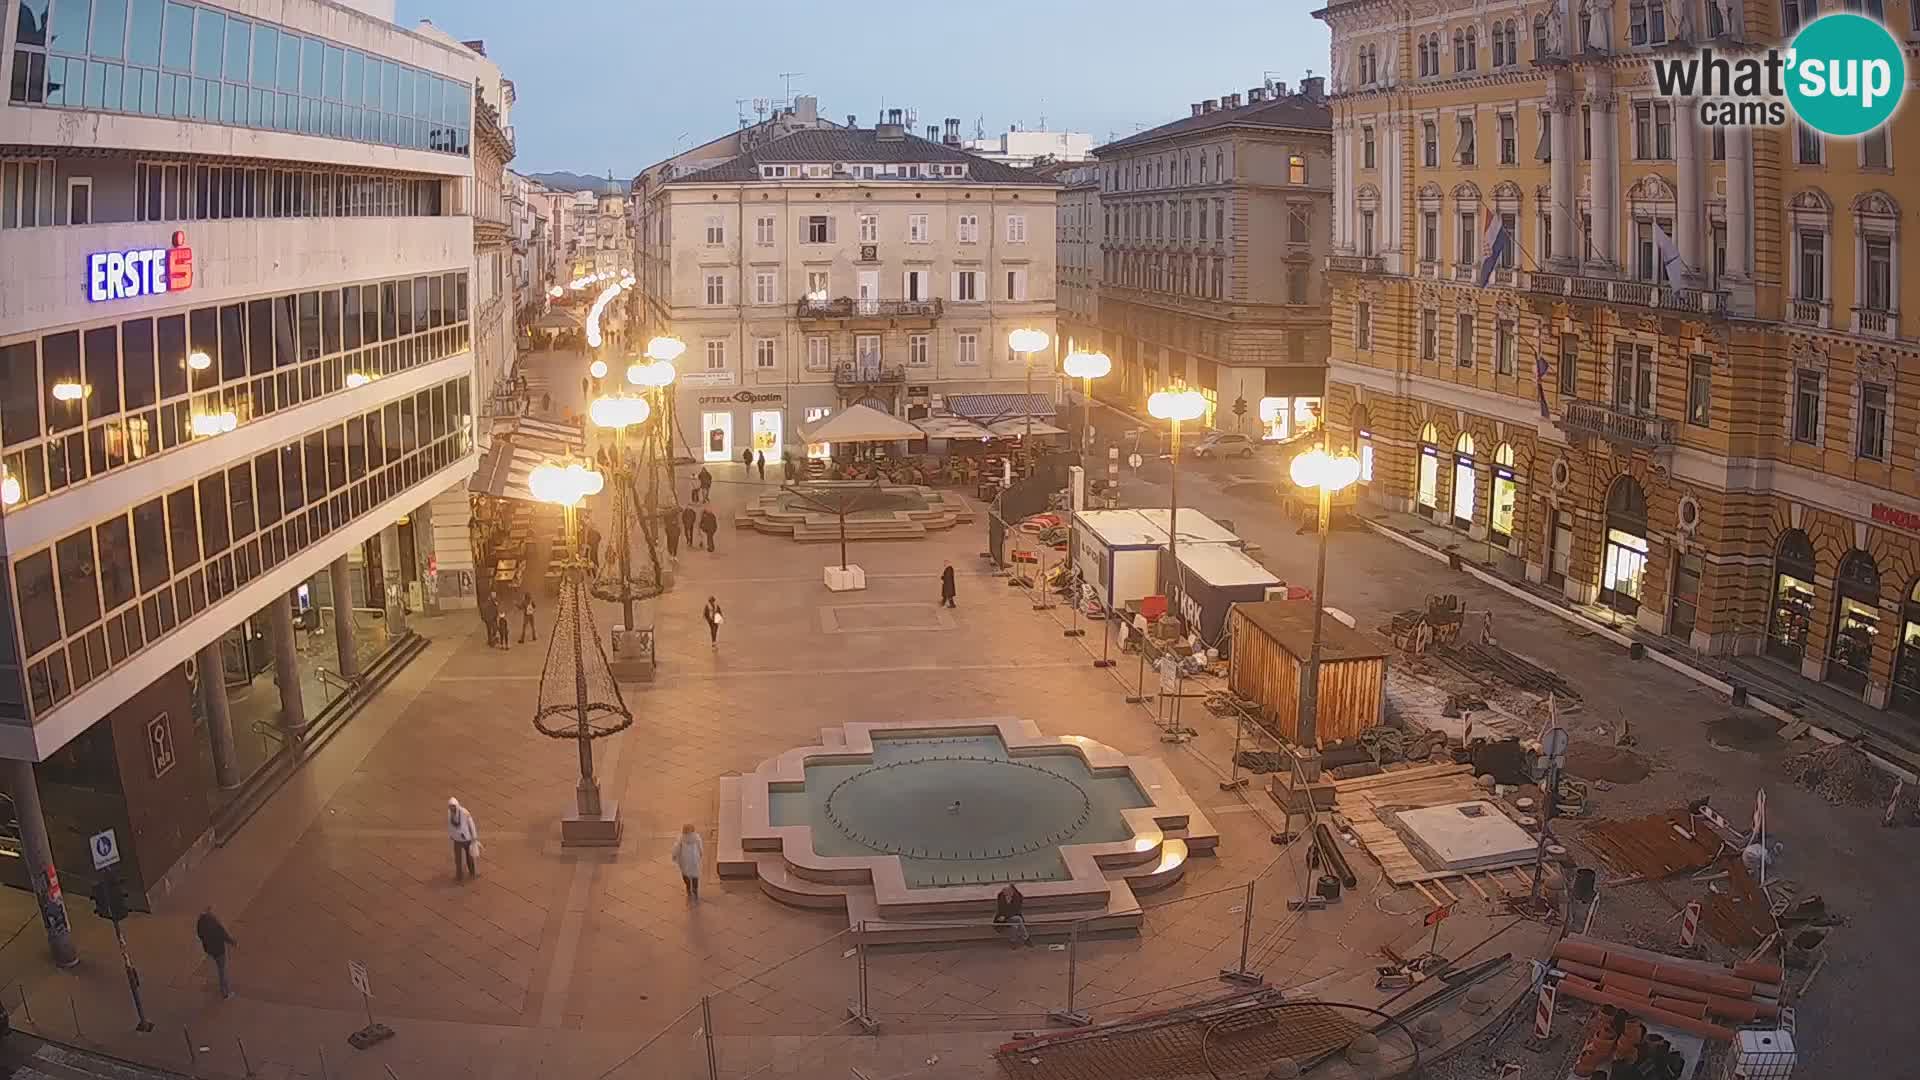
x: 1212, y: 229
x: 810, y: 266
x: 234, y: 368
x: 1722, y: 447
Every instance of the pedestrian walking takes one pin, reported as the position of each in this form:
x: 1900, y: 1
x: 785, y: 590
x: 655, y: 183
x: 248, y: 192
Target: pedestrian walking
x: 487, y: 609
x: 706, y: 484
x: 947, y: 589
x: 500, y: 631
x: 746, y: 457
x: 709, y: 525
x: 673, y: 533
x: 714, y: 617
x: 593, y: 547
x: 466, y: 840
x: 760, y: 460
x: 689, y: 517
x: 527, y: 630
x: 216, y: 942
x: 688, y: 853
x: 1006, y: 913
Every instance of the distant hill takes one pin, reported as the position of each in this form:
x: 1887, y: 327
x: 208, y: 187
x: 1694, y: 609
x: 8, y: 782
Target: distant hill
x: 569, y: 181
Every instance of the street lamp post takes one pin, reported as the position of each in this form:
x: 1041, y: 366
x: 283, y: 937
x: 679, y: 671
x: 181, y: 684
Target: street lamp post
x: 1026, y: 342
x: 1329, y: 473
x: 1175, y: 406
x: 617, y: 413
x: 1086, y: 367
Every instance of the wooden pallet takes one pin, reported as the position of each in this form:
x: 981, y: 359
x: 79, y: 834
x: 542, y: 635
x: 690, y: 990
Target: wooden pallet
x: 1361, y: 801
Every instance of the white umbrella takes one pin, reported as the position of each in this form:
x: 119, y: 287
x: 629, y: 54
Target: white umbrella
x: 861, y: 423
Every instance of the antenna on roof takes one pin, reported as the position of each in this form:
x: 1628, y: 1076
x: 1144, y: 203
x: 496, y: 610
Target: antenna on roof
x: 787, y: 78
x: 980, y: 127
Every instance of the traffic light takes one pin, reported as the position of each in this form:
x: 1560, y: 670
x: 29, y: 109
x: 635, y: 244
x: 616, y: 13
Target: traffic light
x: 110, y: 899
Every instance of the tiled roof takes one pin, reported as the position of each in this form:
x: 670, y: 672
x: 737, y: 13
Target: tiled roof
x: 856, y: 146
x: 1294, y: 111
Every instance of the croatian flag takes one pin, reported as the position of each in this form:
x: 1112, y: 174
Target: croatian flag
x: 1493, y: 241
x: 1540, y: 380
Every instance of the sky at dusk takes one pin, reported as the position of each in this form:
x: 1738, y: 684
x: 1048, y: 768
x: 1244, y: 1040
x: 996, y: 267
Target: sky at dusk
x: 620, y: 84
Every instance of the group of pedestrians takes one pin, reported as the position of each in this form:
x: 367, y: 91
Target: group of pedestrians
x: 493, y: 614
x: 753, y: 459
x: 703, y: 519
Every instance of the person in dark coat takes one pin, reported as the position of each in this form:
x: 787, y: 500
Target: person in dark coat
x: 1006, y: 913
x: 500, y: 628
x: 689, y: 517
x: 215, y: 942
x: 673, y: 532
x: 947, y: 590
x: 706, y: 484
x: 527, y: 630
x: 760, y: 460
x: 709, y: 525
x: 714, y: 618
x: 746, y: 457
x: 593, y: 547
x: 487, y: 610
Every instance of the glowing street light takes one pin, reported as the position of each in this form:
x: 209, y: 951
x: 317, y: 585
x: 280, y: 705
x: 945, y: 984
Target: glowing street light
x: 619, y: 411
x: 652, y: 375
x: 9, y: 489
x: 565, y: 484
x: 1027, y: 341
x: 1174, y: 406
x: 597, y: 369
x: 1328, y: 473
x: 665, y: 348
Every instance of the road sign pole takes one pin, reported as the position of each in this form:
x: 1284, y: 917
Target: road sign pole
x: 133, y: 980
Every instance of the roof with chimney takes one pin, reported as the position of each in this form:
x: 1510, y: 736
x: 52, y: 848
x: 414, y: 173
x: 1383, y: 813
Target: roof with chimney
x: 1288, y: 112
x: 883, y: 145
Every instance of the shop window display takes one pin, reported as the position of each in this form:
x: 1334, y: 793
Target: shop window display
x: 1856, y: 624
x: 1792, y: 605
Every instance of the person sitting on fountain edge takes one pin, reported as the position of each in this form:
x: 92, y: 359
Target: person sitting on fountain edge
x: 1006, y: 913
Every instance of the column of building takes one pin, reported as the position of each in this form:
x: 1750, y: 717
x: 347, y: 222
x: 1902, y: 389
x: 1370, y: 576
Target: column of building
x: 1563, y: 111
x: 1688, y: 217
x: 1341, y: 240
x: 1603, y: 172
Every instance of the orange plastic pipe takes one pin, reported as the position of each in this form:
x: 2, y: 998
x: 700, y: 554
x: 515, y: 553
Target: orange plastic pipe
x: 1586, y: 991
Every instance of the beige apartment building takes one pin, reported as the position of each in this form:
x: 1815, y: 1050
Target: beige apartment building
x: 1079, y: 239
x: 823, y: 266
x: 1685, y: 393
x: 1213, y: 229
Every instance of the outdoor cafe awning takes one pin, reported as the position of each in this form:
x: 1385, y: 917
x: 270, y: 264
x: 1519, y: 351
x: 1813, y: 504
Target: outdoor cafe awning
x: 517, y: 446
x: 951, y: 427
x: 861, y: 423
x: 986, y: 408
x: 552, y: 437
x: 1016, y: 427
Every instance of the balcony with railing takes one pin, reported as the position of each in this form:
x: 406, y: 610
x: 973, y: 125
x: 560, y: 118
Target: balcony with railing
x: 1356, y: 264
x: 1807, y: 312
x: 1875, y: 321
x: 849, y: 309
x: 868, y: 372
x: 1708, y: 302
x: 1429, y: 269
x: 1464, y: 271
x: 1618, y: 425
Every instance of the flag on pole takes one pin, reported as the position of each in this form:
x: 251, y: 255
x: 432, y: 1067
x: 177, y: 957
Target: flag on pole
x: 1540, y: 378
x: 1494, y: 240
x: 1668, y: 253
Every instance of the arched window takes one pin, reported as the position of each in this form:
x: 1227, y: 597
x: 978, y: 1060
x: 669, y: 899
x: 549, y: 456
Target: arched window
x: 1459, y: 50
x: 1506, y: 495
x: 1429, y: 434
x: 1540, y: 35
x: 1473, y: 48
x: 1499, y: 45
x: 1791, y: 610
x: 1906, y: 666
x: 1856, y: 624
x: 1504, y: 455
x: 1464, y: 444
x: 1427, y: 466
x: 1624, y: 558
x: 1363, y: 442
x: 1464, y: 484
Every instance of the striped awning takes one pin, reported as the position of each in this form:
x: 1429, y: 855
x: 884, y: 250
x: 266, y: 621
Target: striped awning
x: 986, y: 408
x: 504, y: 471
x: 551, y: 437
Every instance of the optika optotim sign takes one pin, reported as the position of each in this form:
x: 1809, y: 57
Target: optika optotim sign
x: 1842, y: 76
x: 126, y: 275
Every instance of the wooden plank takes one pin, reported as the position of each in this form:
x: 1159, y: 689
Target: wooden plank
x: 1425, y: 893
x: 1419, y: 772
x: 1475, y: 886
x: 1441, y: 884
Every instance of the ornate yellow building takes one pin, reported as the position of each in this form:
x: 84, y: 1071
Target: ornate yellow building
x: 1722, y: 446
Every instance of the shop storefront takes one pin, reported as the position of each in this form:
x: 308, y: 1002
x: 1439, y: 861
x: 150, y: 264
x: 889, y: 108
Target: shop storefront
x: 1791, y: 614
x: 1906, y: 667
x: 1856, y: 621
x: 733, y: 421
x: 1427, y: 482
x: 1623, y: 565
x: 1506, y: 493
x: 1285, y: 417
x: 1463, y: 482
x: 1363, y: 442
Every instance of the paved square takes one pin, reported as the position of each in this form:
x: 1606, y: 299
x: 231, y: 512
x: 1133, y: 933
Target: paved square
x: 865, y: 618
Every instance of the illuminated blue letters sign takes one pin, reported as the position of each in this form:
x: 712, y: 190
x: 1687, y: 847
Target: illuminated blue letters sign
x: 125, y: 275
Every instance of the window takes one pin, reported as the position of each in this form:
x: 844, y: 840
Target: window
x: 1509, y: 140
x: 869, y: 228
x: 1807, y: 145
x: 1510, y: 223
x: 917, y: 355
x: 1719, y: 140
x: 1872, y: 441
x: 1299, y: 225
x: 1543, y: 148
x: 1650, y: 263
x: 1017, y: 285
x: 969, y: 228
x: 1806, y: 407
x: 1699, y: 391
x: 763, y: 288
x: 717, y: 355
x: 1503, y: 335
x: 1459, y: 50
x: 1569, y: 365
x: 1873, y: 148
x: 763, y: 230
x: 1499, y: 36
x: 1363, y: 325
x: 1719, y: 240
x: 1220, y: 217
x: 1430, y: 144
x: 1296, y: 171
x: 1633, y: 378
x: 819, y: 354
x: 763, y: 356
x: 1366, y: 232
x: 26, y: 193
x: 1586, y: 133
x: 1812, y: 283
x: 817, y: 284
x: 1463, y: 339
x: 1647, y: 22
x: 1429, y: 335
x: 1016, y: 228
x: 716, y: 231
x: 818, y: 228
x: 1876, y: 286
x: 1464, y: 154
x: 1469, y: 240
x: 1297, y: 285
x: 966, y: 285
x: 1366, y: 146
x: 966, y: 351
x: 1543, y: 227
x: 1540, y: 36
x: 716, y: 290
x: 917, y: 229
x: 80, y: 200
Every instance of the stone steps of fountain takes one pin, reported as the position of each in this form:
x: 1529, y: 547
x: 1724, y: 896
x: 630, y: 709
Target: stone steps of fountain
x: 883, y: 530
x: 1117, y: 911
x: 1162, y: 872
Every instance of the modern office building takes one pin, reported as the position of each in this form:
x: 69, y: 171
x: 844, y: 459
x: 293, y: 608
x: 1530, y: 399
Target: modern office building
x: 1678, y: 393
x: 234, y: 367
x: 1213, y: 225
x: 823, y: 266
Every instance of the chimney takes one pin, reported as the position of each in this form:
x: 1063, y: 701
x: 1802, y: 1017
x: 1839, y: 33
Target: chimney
x: 1208, y: 105
x: 953, y: 131
x: 891, y: 129
x: 1231, y: 101
x: 894, y: 115
x: 933, y: 132
x: 1256, y: 95
x: 1196, y: 108
x: 806, y: 109
x: 853, y: 121
x: 1314, y: 88
x: 1279, y: 90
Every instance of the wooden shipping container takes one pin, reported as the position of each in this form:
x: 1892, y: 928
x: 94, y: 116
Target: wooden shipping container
x: 1271, y: 643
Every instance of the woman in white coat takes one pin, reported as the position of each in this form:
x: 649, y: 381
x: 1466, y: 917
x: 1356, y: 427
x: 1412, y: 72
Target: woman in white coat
x: 466, y: 839
x: 688, y: 853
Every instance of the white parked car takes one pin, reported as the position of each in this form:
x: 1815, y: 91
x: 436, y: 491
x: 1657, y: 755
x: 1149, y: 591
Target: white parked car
x: 1222, y: 444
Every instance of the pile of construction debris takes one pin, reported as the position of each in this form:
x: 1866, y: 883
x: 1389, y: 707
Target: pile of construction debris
x: 1842, y: 775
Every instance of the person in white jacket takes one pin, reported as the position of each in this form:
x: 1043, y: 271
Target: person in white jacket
x: 466, y: 839
x: 688, y: 853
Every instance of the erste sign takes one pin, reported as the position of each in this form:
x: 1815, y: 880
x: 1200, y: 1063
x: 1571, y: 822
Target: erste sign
x: 125, y: 275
